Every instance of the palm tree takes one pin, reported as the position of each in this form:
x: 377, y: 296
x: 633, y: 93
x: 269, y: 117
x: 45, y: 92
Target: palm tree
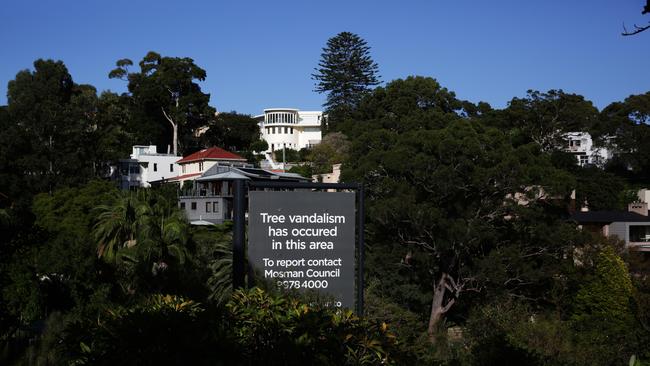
x: 165, y: 234
x: 118, y: 225
x: 220, y: 280
x: 142, y: 227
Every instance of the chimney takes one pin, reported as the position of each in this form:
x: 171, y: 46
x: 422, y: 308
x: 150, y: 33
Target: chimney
x: 640, y: 208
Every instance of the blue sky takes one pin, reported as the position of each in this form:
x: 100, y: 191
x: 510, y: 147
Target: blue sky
x: 260, y: 54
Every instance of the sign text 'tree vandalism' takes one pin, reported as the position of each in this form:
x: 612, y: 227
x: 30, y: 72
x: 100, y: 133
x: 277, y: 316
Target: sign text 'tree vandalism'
x: 304, y: 240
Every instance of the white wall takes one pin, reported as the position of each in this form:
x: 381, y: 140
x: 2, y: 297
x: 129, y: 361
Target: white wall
x: 290, y: 128
x: 154, y: 166
x: 581, y: 144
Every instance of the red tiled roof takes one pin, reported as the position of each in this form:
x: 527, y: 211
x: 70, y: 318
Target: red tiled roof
x: 183, y: 176
x: 213, y: 153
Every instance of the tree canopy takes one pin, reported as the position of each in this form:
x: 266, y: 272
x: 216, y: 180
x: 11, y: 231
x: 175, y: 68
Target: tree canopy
x: 167, y: 100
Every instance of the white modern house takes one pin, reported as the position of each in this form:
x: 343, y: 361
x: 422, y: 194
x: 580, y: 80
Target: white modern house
x: 146, y: 165
x: 290, y: 128
x: 581, y: 145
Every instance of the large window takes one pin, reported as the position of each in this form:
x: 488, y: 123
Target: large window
x: 208, y: 206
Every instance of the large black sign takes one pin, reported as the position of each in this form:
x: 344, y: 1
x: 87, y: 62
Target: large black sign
x: 304, y: 240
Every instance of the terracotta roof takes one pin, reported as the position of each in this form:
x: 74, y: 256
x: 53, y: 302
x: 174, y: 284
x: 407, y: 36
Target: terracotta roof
x: 213, y: 153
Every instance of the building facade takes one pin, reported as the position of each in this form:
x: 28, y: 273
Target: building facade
x: 290, y: 128
x: 631, y: 226
x: 144, y: 166
x: 209, y: 200
x: 581, y: 145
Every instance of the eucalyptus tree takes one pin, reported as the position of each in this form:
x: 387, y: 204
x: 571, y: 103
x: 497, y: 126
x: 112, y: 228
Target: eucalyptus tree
x: 47, y: 131
x: 440, y: 192
x: 168, y: 103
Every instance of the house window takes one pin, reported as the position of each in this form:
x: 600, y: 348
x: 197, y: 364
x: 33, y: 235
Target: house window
x: 215, y: 206
x: 183, y: 169
x: 171, y: 167
x: 584, y: 160
x: 208, y: 206
x: 201, y: 166
x: 193, y: 206
x: 182, y: 205
x: 291, y: 130
x: 155, y: 167
x: 639, y: 234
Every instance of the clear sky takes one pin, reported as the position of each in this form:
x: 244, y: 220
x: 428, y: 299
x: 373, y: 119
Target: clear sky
x: 260, y: 54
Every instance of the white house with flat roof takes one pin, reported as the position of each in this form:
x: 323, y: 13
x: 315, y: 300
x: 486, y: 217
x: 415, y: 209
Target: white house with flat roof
x: 146, y: 165
x: 290, y: 128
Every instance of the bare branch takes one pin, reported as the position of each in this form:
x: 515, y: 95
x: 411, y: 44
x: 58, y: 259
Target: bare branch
x: 636, y: 30
x: 448, y: 306
x: 167, y: 117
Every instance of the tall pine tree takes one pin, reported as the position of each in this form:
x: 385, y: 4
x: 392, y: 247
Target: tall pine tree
x: 345, y: 72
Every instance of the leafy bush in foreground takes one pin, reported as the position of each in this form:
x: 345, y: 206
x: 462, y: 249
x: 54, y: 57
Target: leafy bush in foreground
x: 254, y: 328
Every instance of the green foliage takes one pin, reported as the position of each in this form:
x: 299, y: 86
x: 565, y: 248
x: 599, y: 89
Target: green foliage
x: 47, y: 132
x: 603, y: 314
x: 146, y: 237
x: 543, y: 118
x: 601, y: 190
x: 165, y: 92
x: 288, y: 155
x: 607, y: 296
x: 276, y: 330
x: 304, y: 170
x: 214, y: 253
x: 59, y: 272
x: 163, y: 329
x: 232, y: 131
x: 255, y: 328
x: 259, y: 146
x: 345, y: 72
x: 627, y: 123
x: 333, y: 149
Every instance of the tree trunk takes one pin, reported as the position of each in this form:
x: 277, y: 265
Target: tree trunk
x: 175, y: 128
x: 438, y: 307
x: 175, y: 142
